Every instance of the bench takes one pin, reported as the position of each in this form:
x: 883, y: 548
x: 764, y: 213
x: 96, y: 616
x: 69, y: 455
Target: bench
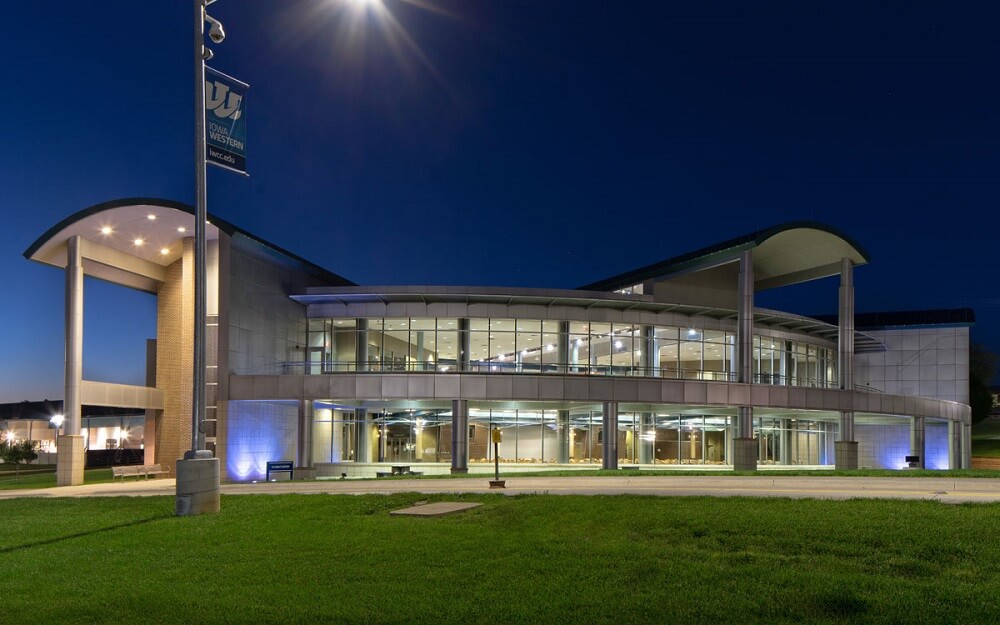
x: 397, y: 470
x: 135, y: 470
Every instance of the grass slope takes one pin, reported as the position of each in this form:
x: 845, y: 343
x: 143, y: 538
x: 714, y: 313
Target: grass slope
x: 530, y: 559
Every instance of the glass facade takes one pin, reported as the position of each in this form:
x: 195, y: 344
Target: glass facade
x: 574, y: 436
x: 546, y: 346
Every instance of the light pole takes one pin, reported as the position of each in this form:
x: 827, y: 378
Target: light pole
x: 198, y: 472
x: 57, y: 420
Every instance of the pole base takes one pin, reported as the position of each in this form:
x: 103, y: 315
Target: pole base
x: 744, y: 454
x: 845, y: 455
x: 197, y: 485
x: 498, y: 483
x: 70, y: 460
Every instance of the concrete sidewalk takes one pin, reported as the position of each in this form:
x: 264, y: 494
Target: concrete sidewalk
x: 949, y: 490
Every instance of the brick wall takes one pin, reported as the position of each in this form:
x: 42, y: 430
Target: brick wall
x: 175, y: 358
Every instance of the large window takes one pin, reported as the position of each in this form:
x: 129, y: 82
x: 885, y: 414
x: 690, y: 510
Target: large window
x: 501, y: 345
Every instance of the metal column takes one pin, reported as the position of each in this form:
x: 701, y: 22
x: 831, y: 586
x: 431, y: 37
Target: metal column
x: 846, y: 448
x: 744, y: 445
x: 361, y: 346
x: 917, y: 440
x: 563, y: 432
x: 609, y: 425
x: 646, y: 444
x: 362, y: 426
x: 562, y: 348
x: 464, y: 345
x: 459, y: 436
x: 304, y: 455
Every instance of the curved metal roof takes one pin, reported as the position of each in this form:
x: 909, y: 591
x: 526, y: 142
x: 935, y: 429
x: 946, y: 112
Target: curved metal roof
x: 110, y: 231
x: 784, y: 254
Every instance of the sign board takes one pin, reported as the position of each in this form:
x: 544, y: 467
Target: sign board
x: 225, y: 121
x: 497, y: 436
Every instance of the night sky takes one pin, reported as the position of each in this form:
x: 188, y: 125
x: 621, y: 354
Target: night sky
x: 545, y: 143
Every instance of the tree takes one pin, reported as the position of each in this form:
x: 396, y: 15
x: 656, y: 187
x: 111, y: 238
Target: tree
x: 982, y: 368
x: 17, y: 453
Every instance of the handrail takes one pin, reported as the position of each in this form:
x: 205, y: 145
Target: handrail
x: 513, y: 367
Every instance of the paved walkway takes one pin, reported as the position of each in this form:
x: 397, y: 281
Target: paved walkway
x: 949, y: 490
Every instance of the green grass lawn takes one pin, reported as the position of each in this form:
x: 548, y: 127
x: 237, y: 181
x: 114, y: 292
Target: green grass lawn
x: 988, y: 428
x: 528, y: 559
x: 31, y: 477
x: 986, y: 439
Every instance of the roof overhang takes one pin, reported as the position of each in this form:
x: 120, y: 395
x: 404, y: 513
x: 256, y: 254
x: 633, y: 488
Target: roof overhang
x: 109, y: 232
x: 128, y: 242
x: 783, y: 255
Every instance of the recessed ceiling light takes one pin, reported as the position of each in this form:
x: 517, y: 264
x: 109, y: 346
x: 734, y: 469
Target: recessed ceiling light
x: 164, y: 251
x: 181, y: 229
x: 106, y: 230
x: 138, y: 241
x: 151, y: 217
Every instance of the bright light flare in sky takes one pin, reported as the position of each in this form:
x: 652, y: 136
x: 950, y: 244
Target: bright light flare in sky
x: 349, y: 25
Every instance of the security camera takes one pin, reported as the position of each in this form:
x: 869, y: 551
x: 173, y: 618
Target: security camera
x: 215, y: 33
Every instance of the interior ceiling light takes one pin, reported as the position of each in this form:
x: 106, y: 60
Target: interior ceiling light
x: 151, y: 217
x: 181, y: 229
x: 138, y: 241
x: 164, y: 251
x: 106, y: 230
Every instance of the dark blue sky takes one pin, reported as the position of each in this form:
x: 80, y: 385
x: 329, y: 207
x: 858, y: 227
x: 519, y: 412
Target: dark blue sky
x: 510, y: 142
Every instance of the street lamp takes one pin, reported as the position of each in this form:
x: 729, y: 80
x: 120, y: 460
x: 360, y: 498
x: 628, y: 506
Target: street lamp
x: 57, y: 421
x: 201, y: 54
x: 198, y: 473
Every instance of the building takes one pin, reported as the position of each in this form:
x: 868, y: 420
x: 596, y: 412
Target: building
x: 111, y: 436
x: 667, y: 365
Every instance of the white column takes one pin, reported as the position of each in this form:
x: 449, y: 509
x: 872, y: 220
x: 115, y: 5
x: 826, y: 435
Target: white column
x: 71, y: 454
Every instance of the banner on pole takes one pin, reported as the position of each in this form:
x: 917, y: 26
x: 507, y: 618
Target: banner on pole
x: 225, y: 121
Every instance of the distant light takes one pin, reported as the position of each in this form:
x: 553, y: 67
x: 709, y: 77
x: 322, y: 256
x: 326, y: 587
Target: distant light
x: 181, y: 229
x: 638, y: 352
x: 692, y: 332
x: 550, y: 347
x: 138, y: 241
x: 618, y: 344
x: 10, y: 436
x: 151, y: 217
x: 123, y: 434
x: 165, y: 251
x: 524, y: 352
x: 57, y: 420
x: 579, y: 342
x: 499, y: 356
x: 106, y: 230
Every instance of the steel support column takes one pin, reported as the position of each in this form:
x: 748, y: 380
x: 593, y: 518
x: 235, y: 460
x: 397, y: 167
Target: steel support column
x: 917, y: 440
x: 744, y: 445
x: 846, y: 448
x: 609, y: 426
x: 459, y: 436
x: 564, y: 433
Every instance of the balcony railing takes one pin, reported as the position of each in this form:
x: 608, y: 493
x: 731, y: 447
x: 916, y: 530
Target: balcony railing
x: 583, y: 369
